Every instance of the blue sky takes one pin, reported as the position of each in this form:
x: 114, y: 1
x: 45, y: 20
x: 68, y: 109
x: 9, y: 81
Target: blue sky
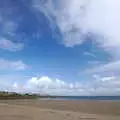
x: 60, y: 46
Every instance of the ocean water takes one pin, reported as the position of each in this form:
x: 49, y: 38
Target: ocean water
x: 117, y: 98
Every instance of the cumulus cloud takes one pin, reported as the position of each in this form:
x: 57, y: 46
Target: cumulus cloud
x: 47, y: 85
x: 9, y: 45
x: 99, y: 85
x: 12, y: 65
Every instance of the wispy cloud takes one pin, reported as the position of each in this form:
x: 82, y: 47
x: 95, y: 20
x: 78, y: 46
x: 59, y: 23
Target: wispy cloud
x: 12, y: 65
x: 94, y: 62
x: 108, y: 68
x: 90, y: 54
x: 9, y: 45
x: 8, y: 23
x: 8, y: 29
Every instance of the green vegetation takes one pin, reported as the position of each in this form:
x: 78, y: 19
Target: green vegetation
x: 14, y: 95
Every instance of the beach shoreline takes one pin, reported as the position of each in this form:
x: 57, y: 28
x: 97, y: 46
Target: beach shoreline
x: 62, y: 109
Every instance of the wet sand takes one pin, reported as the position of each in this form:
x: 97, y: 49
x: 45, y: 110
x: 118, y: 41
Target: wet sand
x: 59, y: 110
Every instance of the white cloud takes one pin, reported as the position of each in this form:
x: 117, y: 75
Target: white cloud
x: 8, y: 25
x: 45, y: 85
x: 94, y: 62
x: 77, y: 18
x: 12, y: 81
x: 90, y: 54
x: 108, y: 78
x: 12, y: 65
x: 107, y: 85
x: 111, y: 67
x: 9, y: 45
x: 8, y: 30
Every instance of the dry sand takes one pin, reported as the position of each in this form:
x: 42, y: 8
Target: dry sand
x: 59, y: 110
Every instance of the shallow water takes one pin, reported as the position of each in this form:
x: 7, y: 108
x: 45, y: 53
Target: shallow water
x: 116, y: 98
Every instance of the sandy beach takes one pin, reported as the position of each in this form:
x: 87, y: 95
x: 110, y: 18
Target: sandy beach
x: 59, y: 110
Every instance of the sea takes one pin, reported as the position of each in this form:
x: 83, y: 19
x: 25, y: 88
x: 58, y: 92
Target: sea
x: 116, y: 98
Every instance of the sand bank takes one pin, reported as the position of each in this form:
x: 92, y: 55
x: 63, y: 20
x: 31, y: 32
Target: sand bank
x: 59, y: 110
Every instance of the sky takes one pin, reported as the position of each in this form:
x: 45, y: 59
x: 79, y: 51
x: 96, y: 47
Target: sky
x: 60, y: 47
